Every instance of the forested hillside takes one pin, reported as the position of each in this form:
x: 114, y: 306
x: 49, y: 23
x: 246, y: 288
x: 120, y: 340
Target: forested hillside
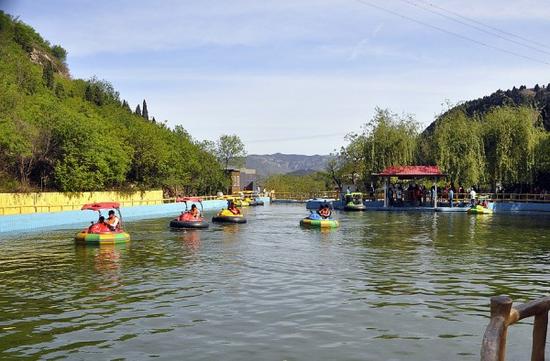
x: 537, y: 98
x: 58, y: 133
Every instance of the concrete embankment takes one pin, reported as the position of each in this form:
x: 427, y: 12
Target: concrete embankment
x: 37, y: 221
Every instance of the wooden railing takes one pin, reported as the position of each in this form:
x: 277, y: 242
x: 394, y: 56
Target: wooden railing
x: 503, y: 315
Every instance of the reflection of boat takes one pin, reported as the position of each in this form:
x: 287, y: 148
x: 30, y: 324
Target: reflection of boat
x: 480, y: 210
x: 354, y: 202
x: 226, y: 216
x: 192, y: 239
x: 86, y: 236
x: 186, y: 220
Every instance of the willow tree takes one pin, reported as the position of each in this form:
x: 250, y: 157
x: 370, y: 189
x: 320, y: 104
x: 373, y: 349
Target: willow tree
x: 542, y: 159
x: 459, y: 148
x: 510, y: 136
x: 389, y: 140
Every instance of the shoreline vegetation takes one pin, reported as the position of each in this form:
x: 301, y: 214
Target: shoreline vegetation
x: 74, y: 135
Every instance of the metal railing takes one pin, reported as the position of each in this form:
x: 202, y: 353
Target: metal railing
x: 303, y: 196
x: 503, y: 315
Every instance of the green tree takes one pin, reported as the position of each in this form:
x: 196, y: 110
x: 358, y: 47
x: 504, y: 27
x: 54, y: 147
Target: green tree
x: 510, y: 135
x: 59, y: 52
x: 389, y: 140
x: 126, y: 106
x: 47, y: 75
x: 59, y: 90
x: 542, y: 160
x: 295, y: 183
x: 144, y: 112
x: 138, y: 111
x: 230, y: 149
x: 459, y: 148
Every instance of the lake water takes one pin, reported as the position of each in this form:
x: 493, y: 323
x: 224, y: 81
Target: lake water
x: 384, y: 286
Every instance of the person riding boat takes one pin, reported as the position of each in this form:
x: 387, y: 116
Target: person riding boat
x: 324, y: 211
x: 195, y: 211
x: 99, y: 227
x: 113, y: 222
x: 233, y: 208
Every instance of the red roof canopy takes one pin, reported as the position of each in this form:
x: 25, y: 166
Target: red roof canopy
x: 100, y: 205
x: 189, y: 199
x: 412, y: 171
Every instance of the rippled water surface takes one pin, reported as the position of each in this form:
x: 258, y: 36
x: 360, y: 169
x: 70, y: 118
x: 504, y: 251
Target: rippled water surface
x: 384, y: 286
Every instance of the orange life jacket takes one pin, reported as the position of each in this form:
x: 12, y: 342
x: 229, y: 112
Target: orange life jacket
x: 98, y: 228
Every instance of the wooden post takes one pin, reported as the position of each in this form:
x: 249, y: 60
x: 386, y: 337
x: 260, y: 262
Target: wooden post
x: 435, y: 192
x: 539, y: 336
x: 494, y: 340
x: 386, y: 193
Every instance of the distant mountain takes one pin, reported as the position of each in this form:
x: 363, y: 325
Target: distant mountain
x: 268, y: 164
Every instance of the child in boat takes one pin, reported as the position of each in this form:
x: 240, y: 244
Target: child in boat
x: 324, y: 211
x: 195, y: 211
x: 233, y: 208
x: 99, y: 227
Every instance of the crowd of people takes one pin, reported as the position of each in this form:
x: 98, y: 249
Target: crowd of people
x: 413, y: 194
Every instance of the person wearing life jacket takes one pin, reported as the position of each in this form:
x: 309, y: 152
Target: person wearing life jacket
x: 99, y: 227
x: 233, y: 208
x: 113, y: 222
x: 324, y: 211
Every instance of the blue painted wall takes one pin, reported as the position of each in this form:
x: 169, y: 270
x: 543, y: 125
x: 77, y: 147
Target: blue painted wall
x: 521, y: 207
x: 35, y: 221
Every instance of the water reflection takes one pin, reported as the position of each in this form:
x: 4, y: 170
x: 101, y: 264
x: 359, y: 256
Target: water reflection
x: 192, y: 239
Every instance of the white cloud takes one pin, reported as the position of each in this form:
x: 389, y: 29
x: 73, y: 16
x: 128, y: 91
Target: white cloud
x: 286, y: 68
x: 292, y: 105
x: 136, y: 26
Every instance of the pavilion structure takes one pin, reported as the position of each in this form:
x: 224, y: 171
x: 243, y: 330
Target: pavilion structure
x: 410, y: 172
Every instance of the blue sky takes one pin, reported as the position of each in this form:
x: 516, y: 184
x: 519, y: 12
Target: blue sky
x: 293, y: 76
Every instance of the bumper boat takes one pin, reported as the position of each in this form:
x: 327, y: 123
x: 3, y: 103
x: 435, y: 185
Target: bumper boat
x: 89, y: 236
x: 354, y: 202
x: 315, y: 221
x: 351, y: 206
x: 241, y: 202
x: 257, y: 202
x: 189, y: 222
x: 85, y: 237
x: 226, y: 216
x: 479, y: 210
x: 186, y: 220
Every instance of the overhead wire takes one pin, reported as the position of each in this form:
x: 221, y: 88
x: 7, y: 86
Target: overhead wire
x: 464, y: 37
x: 486, y: 25
x: 478, y: 28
